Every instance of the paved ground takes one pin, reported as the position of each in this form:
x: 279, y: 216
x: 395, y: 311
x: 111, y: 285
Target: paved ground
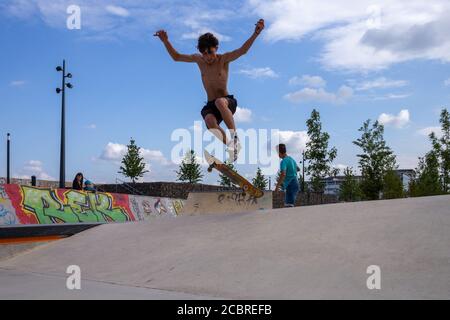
x: 31, y: 286
x: 301, y: 253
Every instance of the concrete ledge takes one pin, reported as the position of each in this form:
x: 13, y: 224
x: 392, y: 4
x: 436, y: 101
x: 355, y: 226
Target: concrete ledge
x: 28, y: 231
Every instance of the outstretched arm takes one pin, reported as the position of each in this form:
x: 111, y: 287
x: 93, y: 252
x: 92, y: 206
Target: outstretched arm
x: 176, y: 56
x: 233, y: 55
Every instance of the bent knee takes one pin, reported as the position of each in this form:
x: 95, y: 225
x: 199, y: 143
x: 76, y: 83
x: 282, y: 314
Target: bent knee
x: 211, y: 121
x: 221, y: 103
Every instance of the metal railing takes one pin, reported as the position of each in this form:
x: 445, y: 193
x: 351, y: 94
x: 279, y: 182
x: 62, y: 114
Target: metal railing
x: 128, y: 187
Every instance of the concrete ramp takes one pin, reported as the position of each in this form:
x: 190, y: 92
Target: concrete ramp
x: 301, y: 253
x: 225, y: 202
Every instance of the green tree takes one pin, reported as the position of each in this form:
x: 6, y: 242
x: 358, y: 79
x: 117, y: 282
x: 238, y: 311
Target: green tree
x: 320, y: 156
x: 133, y: 163
x: 190, y: 170
x: 260, y: 180
x: 392, y: 186
x: 427, y: 181
x: 375, y: 160
x: 441, y: 147
x: 224, y: 180
x: 350, y: 189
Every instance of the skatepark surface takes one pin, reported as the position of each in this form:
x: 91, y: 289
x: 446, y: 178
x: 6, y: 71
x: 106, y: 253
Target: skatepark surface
x: 319, y: 252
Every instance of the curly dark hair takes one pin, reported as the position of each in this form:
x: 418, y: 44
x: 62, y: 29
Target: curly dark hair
x: 207, y: 41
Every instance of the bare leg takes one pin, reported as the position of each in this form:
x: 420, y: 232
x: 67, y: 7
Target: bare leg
x: 227, y: 115
x: 213, y: 126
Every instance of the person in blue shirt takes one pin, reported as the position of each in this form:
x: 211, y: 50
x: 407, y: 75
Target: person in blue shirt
x: 89, y: 186
x: 288, y: 176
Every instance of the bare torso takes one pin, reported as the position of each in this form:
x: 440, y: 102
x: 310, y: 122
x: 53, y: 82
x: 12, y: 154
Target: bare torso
x: 214, y: 77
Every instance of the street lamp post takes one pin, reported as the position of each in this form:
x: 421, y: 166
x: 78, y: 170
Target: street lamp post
x: 62, y: 163
x: 303, y: 178
x: 8, y: 159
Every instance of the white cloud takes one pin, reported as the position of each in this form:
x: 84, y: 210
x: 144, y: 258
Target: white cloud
x: 34, y: 168
x: 295, y: 141
x: 198, y: 32
x: 359, y: 36
x: 447, y: 82
x: 114, y: 152
x: 427, y: 131
x: 393, y: 96
x: 161, y: 169
x: 17, y: 83
x: 259, y: 73
x: 320, y: 95
x: 405, y: 161
x: 92, y: 126
x: 185, y: 19
x: 381, y: 83
x: 341, y: 167
x: 308, y: 81
x: 398, y: 121
x: 118, y: 11
x: 243, y: 115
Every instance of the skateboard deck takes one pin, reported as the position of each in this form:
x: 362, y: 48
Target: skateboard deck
x: 236, y: 178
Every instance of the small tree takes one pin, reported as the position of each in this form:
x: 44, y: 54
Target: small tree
x: 427, y: 181
x: 133, y: 164
x: 224, y: 180
x: 190, y: 170
x: 441, y: 147
x: 392, y: 186
x: 375, y: 160
x: 260, y: 180
x: 350, y: 189
x: 320, y: 156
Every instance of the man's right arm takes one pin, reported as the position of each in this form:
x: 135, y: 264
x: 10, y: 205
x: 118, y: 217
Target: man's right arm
x: 176, y: 56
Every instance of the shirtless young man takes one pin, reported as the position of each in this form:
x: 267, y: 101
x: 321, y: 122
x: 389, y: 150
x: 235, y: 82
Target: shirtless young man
x: 214, y: 68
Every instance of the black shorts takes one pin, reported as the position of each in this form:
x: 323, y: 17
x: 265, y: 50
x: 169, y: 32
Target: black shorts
x: 211, y: 108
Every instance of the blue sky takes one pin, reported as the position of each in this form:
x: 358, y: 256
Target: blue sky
x: 350, y: 61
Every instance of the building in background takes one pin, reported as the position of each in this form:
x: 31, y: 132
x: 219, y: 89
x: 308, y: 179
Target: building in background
x: 333, y: 184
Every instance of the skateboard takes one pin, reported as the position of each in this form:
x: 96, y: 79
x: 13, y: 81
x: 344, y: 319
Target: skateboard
x: 236, y: 178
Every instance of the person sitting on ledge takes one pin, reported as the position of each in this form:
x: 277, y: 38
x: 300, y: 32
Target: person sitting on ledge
x: 89, y: 186
x: 78, y: 182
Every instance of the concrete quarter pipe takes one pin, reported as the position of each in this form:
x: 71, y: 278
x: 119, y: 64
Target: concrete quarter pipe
x: 320, y: 252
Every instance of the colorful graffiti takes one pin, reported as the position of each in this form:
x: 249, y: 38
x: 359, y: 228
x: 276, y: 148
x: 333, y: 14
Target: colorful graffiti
x: 149, y: 207
x: 52, y: 206
x: 6, y: 215
x: 31, y: 205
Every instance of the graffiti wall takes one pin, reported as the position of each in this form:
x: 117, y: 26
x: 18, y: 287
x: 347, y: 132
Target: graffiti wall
x: 25, y: 205
x: 31, y: 205
x: 146, y: 208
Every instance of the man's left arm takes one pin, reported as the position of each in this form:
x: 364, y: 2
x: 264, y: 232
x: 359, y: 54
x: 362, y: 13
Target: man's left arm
x: 280, y: 181
x: 233, y: 55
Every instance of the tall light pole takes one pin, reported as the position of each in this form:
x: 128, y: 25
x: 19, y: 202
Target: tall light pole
x: 303, y: 179
x: 8, y: 159
x: 62, y: 159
